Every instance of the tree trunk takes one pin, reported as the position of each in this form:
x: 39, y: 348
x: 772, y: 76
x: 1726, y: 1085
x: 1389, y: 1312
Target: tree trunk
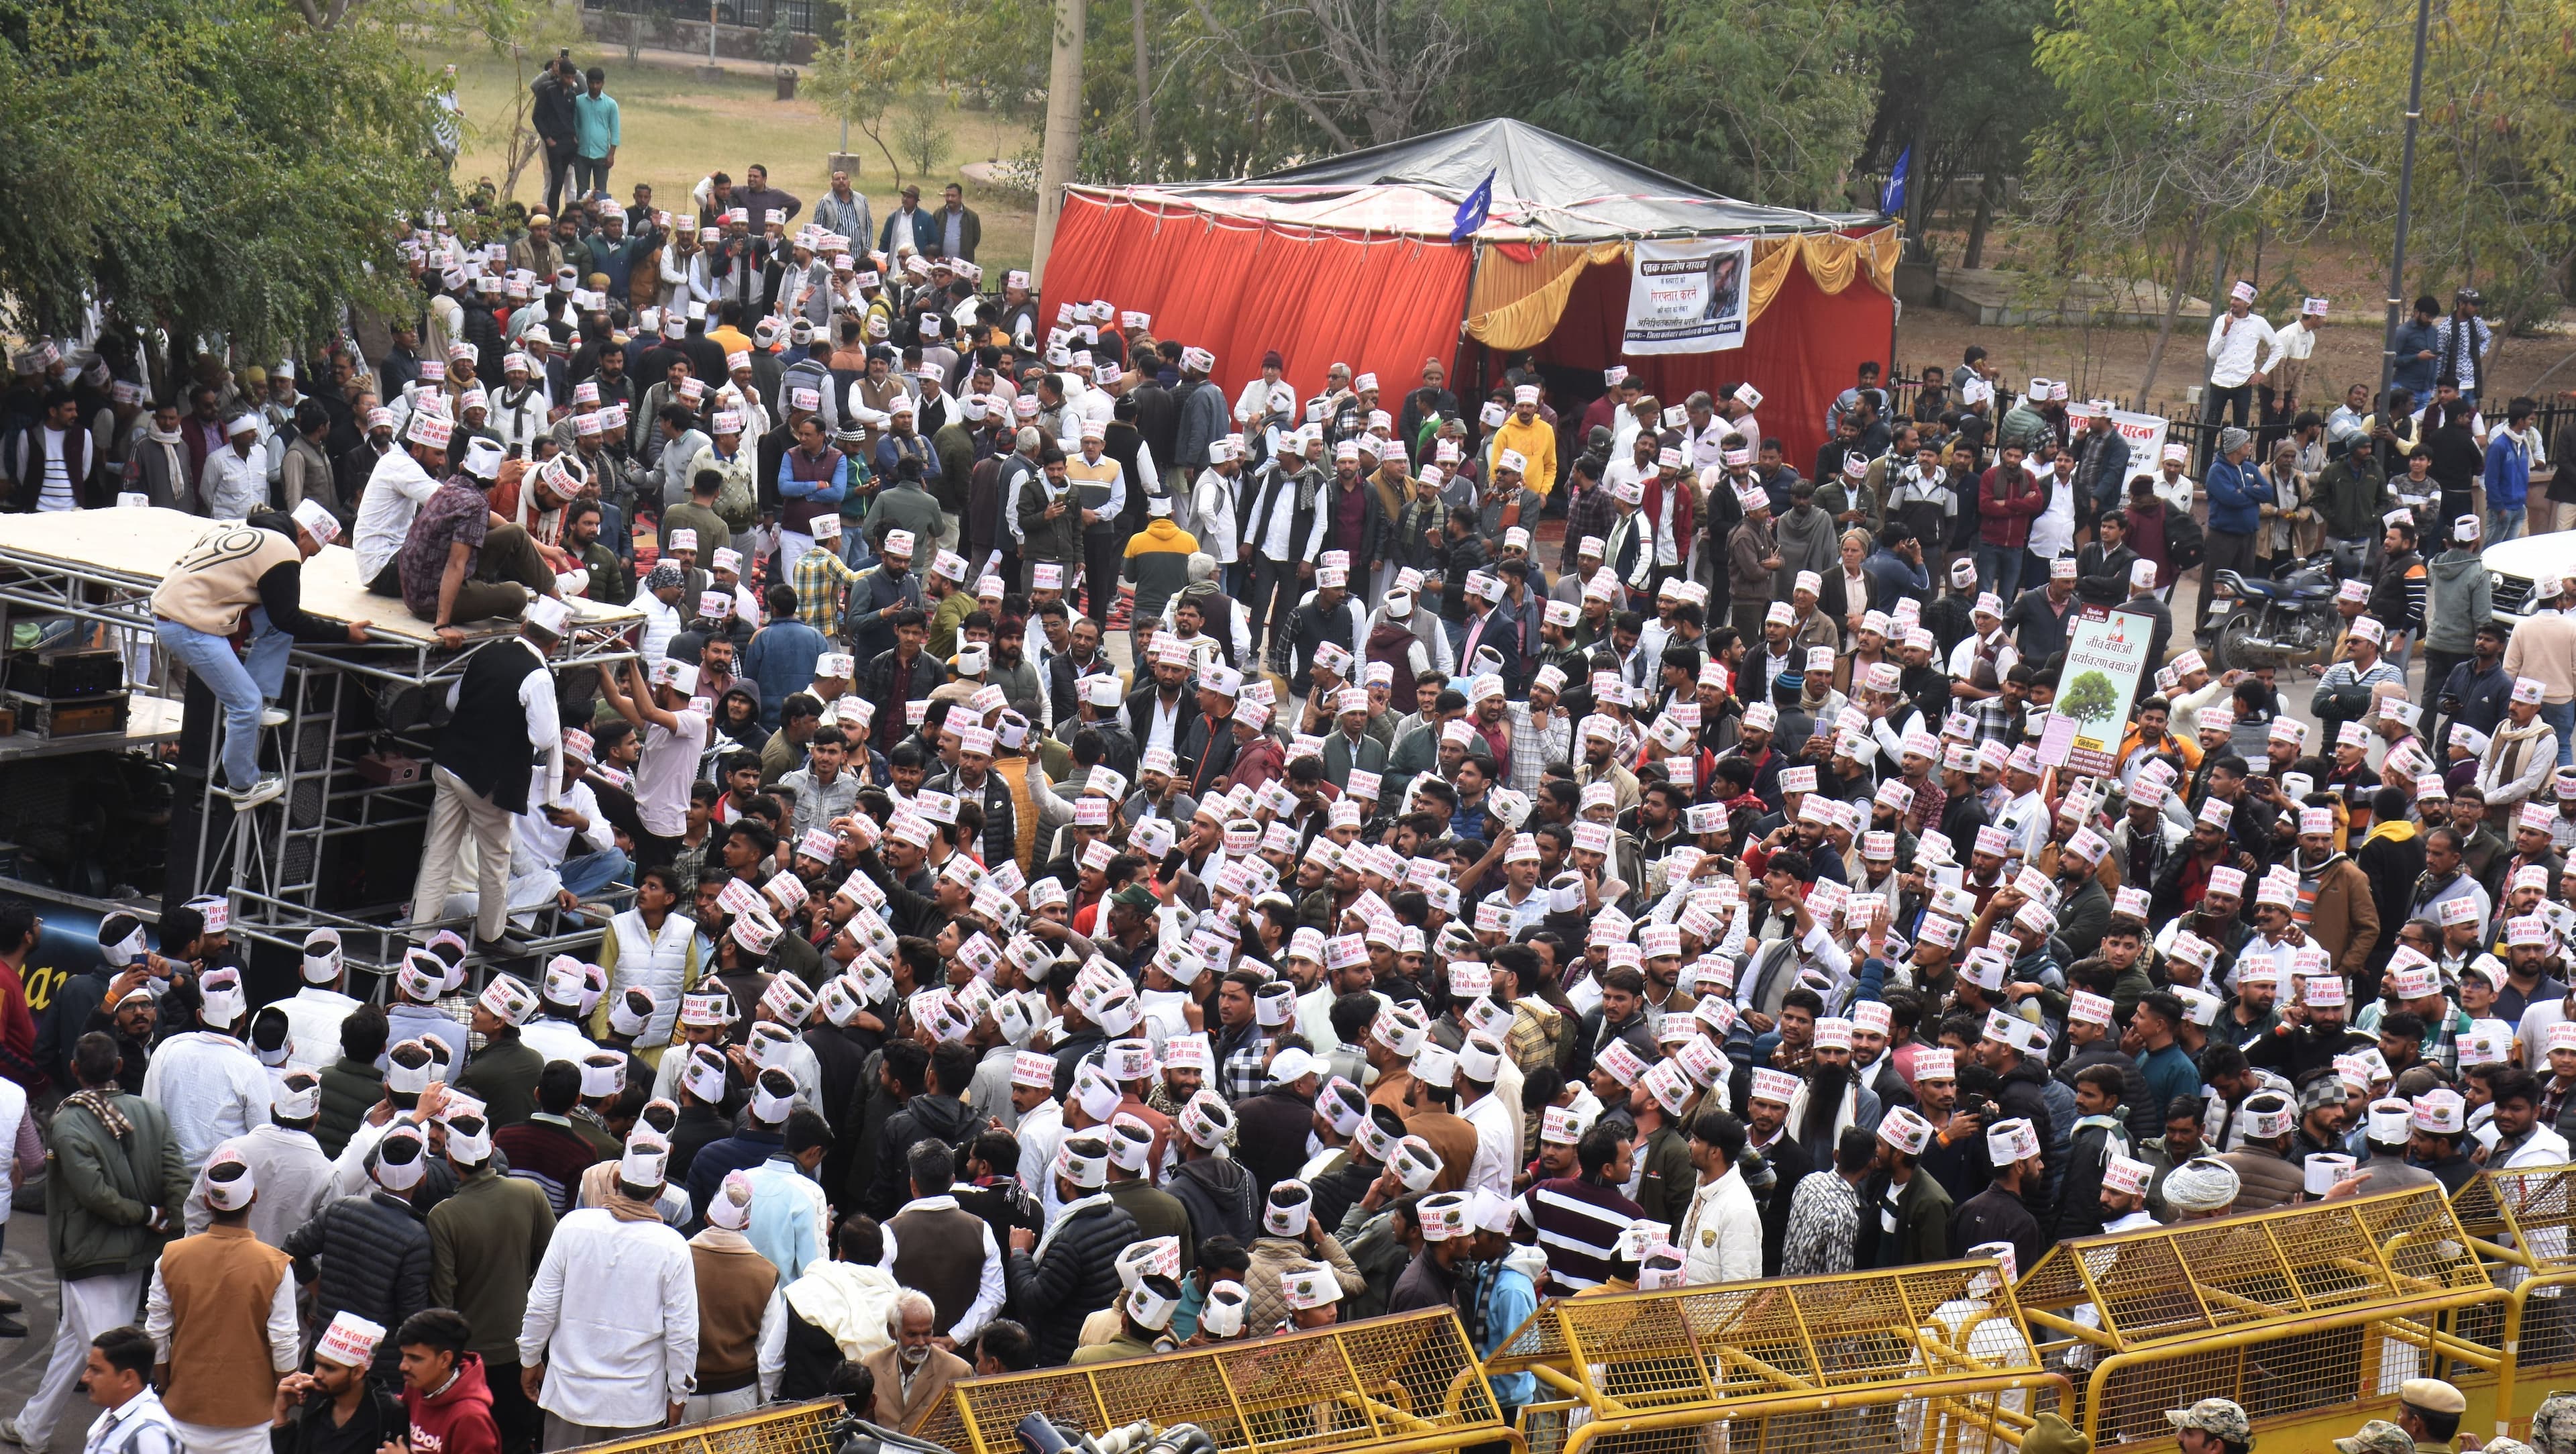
x: 1062, y: 151
x: 2173, y: 310
x: 1146, y: 170
x: 1975, y: 254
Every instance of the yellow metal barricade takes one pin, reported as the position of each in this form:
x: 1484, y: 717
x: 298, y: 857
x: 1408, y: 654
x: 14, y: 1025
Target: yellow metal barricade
x: 1931, y: 1359
x: 804, y: 1428
x: 1408, y: 1384
x: 2310, y: 1317
x: 2522, y: 1224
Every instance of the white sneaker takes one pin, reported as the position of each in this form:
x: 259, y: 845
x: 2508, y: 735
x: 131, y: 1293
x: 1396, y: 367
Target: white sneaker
x: 9, y: 1431
x: 257, y: 793
x: 272, y: 716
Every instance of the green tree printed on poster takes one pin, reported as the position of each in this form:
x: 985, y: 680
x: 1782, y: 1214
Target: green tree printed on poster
x: 2089, y: 697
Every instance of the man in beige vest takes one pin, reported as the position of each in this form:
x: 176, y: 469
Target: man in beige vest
x: 221, y: 1315
x: 250, y: 571
x: 737, y: 1301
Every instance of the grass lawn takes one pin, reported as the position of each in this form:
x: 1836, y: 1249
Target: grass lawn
x: 678, y: 128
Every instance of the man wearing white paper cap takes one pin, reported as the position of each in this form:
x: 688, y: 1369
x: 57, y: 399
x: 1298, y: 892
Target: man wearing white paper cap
x: 504, y: 712
x: 108, y: 1146
x: 738, y: 1310
x: 294, y: 1175
x: 371, y: 1253
x: 2000, y: 1213
x: 609, y: 1344
x: 1529, y: 432
x: 2238, y: 339
x: 2526, y: 746
x: 246, y: 574
x: 214, y: 1087
x: 221, y: 1312
x: 338, y: 1401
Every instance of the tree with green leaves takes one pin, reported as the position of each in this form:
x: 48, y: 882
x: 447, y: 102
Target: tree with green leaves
x: 213, y: 169
x: 1768, y: 100
x: 2186, y: 123
x: 2088, y: 697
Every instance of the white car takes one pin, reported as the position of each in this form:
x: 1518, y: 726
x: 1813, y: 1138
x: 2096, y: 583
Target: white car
x: 2515, y: 566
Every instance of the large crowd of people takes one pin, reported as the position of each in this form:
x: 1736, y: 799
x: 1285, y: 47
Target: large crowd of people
x: 1430, y: 914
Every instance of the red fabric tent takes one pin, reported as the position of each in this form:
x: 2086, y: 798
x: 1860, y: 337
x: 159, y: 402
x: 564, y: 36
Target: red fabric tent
x: 1352, y: 260
x: 1238, y: 289
x: 1806, y: 348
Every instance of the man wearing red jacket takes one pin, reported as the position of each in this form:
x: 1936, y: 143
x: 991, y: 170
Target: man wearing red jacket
x: 1665, y: 516
x: 2007, y: 498
x: 443, y: 1389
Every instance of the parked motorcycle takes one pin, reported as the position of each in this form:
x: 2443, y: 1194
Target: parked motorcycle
x: 2287, y: 620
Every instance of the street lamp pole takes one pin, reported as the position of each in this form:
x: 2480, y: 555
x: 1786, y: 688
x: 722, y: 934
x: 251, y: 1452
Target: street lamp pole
x: 2405, y: 203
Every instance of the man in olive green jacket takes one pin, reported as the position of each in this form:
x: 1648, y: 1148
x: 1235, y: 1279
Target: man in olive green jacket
x: 118, y: 1192
x: 485, y: 1242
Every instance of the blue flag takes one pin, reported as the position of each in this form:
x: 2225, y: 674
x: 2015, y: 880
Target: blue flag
x: 1471, y: 213
x: 1891, y: 198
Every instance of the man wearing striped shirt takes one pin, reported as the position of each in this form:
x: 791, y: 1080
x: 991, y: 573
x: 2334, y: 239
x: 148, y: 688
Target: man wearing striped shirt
x: 1579, y: 1217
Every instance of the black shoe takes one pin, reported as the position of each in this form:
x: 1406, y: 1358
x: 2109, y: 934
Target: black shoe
x: 11, y: 1305
x: 12, y: 1328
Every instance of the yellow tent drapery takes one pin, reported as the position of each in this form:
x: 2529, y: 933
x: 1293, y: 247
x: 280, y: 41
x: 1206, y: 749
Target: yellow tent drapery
x: 1517, y: 304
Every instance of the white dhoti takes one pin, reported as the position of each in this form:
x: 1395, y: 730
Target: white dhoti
x: 91, y: 1306
x: 207, y: 1439
x: 716, y: 1405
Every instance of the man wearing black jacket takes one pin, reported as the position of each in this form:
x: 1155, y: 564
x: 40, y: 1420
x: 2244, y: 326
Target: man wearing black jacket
x: 1072, y: 1272
x: 550, y: 113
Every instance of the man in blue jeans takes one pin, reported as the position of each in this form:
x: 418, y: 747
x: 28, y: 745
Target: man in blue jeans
x: 252, y: 571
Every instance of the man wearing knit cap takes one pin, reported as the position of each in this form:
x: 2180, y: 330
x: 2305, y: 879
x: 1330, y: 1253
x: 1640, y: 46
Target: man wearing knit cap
x: 628, y: 1361
x: 221, y: 1315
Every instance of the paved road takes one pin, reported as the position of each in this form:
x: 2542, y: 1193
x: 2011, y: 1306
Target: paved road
x: 27, y: 1274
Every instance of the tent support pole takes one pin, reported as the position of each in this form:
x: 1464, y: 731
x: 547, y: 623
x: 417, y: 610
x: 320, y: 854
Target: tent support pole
x: 1475, y: 267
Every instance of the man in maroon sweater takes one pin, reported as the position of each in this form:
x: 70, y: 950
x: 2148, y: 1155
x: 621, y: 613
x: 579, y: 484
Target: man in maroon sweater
x: 547, y: 1148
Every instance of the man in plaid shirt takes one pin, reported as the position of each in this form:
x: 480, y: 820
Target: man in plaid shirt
x: 1241, y: 1047
x: 1541, y: 732
x: 819, y: 578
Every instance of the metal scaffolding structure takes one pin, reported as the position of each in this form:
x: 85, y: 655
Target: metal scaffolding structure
x: 338, y: 703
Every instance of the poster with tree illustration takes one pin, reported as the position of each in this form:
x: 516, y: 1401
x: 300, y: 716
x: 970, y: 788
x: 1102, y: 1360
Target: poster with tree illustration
x: 2106, y: 658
